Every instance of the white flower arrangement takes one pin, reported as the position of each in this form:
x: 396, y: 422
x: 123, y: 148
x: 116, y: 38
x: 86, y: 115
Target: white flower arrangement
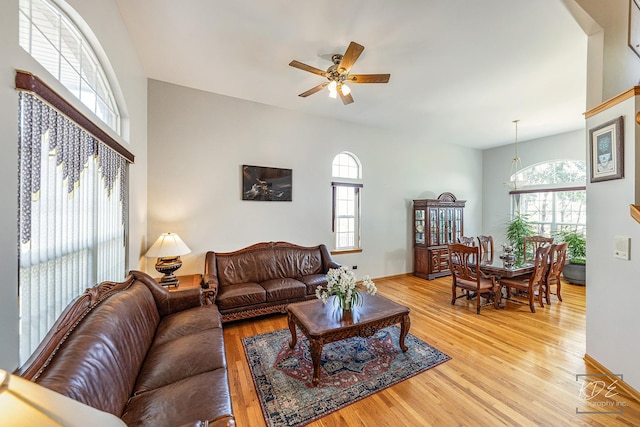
x: 342, y: 283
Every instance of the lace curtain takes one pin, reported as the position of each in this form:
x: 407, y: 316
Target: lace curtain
x: 72, y: 216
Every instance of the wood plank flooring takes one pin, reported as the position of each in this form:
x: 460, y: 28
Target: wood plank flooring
x: 509, y: 367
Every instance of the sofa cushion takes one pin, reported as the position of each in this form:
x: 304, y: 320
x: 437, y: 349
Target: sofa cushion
x: 247, y: 267
x: 181, y: 358
x: 284, y: 289
x: 297, y: 262
x: 187, y: 322
x: 99, y: 363
x: 201, y: 397
x: 239, y: 295
x: 313, y: 281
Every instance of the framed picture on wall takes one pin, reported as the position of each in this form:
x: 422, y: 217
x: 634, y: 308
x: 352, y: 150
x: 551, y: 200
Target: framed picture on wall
x: 634, y: 26
x: 606, y: 150
x: 266, y: 184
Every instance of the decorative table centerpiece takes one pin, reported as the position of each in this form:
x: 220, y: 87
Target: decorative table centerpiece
x: 508, y: 257
x: 342, y: 283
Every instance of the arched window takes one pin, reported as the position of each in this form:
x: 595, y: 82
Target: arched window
x: 72, y: 175
x: 55, y: 41
x: 554, y: 197
x: 554, y: 173
x: 346, y: 165
x: 347, y: 185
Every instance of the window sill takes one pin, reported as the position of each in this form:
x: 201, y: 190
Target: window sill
x: 345, y: 251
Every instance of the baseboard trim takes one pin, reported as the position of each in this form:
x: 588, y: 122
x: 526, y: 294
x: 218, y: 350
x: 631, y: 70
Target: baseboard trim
x: 632, y: 392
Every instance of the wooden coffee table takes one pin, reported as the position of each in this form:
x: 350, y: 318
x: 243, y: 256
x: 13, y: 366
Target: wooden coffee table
x: 323, y: 324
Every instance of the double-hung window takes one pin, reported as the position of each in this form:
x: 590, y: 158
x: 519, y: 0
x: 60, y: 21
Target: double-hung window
x: 347, y: 186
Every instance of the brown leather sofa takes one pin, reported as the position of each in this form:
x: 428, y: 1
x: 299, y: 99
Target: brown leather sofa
x: 137, y: 351
x: 264, y: 278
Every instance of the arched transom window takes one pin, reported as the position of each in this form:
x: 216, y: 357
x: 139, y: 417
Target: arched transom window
x: 53, y: 40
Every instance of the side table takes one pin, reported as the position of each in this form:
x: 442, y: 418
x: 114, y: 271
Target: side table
x: 192, y: 281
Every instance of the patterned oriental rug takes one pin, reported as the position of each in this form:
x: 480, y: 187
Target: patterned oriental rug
x: 351, y: 370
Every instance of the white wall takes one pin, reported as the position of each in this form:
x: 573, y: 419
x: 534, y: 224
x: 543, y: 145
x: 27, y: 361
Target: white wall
x: 198, y: 142
x: 612, y: 284
x: 103, y: 17
x: 619, y: 67
x: 496, y: 205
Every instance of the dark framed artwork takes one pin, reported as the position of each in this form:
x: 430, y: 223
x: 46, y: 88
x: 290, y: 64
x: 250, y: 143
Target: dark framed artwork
x: 606, y: 150
x: 634, y: 26
x: 267, y: 184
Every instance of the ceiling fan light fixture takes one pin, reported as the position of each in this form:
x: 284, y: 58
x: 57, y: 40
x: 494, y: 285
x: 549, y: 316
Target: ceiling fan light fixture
x: 338, y: 74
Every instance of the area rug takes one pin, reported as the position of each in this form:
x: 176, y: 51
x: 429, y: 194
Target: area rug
x: 351, y: 370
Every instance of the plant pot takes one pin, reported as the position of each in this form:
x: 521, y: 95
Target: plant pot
x: 575, y: 273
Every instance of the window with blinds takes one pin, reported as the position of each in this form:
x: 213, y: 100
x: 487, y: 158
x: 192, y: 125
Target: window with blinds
x: 72, y: 216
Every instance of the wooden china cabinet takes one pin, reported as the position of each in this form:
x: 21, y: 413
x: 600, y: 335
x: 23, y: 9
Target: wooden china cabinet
x: 436, y: 223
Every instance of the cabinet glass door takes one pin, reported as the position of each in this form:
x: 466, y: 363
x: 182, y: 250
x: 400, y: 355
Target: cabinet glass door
x: 419, y: 226
x: 433, y: 227
x: 451, y: 238
x: 442, y: 221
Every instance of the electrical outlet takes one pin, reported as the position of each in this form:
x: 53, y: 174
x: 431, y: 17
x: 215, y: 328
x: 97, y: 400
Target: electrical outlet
x: 355, y: 267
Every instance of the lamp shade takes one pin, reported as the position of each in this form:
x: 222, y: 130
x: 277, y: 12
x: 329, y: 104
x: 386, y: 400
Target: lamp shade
x: 168, y: 245
x: 25, y: 403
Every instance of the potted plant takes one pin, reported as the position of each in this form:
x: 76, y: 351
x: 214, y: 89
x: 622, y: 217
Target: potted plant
x: 575, y: 270
x: 517, y: 229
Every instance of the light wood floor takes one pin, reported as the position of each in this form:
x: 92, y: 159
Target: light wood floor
x: 509, y: 367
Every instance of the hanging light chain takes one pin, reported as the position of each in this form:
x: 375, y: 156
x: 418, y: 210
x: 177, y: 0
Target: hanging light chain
x: 516, y: 122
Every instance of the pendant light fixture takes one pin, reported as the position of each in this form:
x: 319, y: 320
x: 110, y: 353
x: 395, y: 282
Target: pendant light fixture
x: 514, y: 182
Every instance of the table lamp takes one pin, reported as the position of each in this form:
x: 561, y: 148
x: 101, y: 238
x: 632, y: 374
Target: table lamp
x: 168, y: 249
x: 25, y: 403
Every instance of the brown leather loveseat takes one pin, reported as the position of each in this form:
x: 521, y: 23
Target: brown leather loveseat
x: 139, y: 352
x: 264, y: 278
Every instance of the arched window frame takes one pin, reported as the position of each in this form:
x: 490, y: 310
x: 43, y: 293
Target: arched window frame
x: 551, y: 203
x: 55, y: 41
x: 346, y: 208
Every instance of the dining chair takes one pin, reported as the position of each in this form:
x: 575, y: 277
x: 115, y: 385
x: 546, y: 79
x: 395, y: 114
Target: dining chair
x: 464, y: 263
x: 468, y: 241
x: 531, y: 245
x: 557, y: 259
x: 533, y: 284
x: 486, y: 248
x: 465, y: 240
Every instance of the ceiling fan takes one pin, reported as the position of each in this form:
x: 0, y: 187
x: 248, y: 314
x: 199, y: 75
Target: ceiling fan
x: 338, y: 74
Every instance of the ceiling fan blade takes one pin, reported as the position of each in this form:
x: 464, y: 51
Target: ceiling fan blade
x: 314, y: 89
x: 350, y: 56
x: 346, y: 99
x: 369, y: 78
x: 309, y: 68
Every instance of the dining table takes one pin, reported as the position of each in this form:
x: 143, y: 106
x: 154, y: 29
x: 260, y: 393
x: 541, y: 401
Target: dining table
x: 495, y: 266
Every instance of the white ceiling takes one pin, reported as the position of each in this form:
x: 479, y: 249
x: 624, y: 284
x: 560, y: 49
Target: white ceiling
x: 461, y: 70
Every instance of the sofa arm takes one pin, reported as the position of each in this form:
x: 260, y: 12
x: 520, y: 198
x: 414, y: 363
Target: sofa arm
x: 210, y: 276
x: 169, y: 302
x: 327, y: 260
